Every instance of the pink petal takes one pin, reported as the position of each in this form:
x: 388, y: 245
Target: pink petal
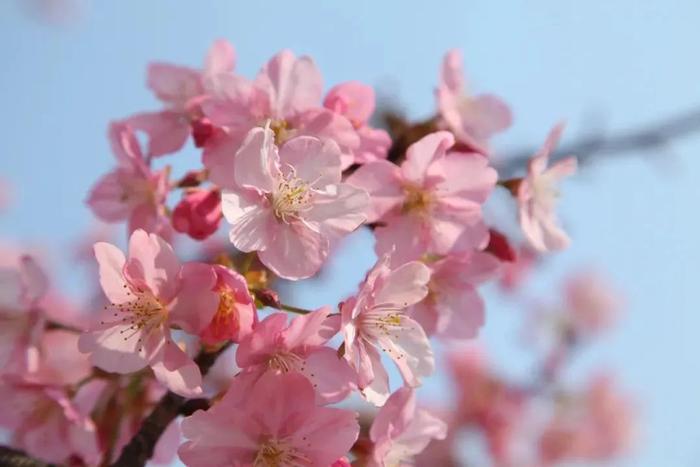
x: 256, y: 348
x: 110, y: 261
x: 382, y: 180
x: 395, y: 416
x: 331, y: 376
x: 167, y: 131
x: 172, y: 84
x: 256, y: 161
x: 452, y: 75
x: 422, y: 153
x: 176, y: 370
x: 221, y: 58
x: 252, y: 224
x: 219, y: 156
x: 339, y: 210
x: 34, y: 280
x: 153, y: 263
x: 295, y: 251
x: 404, y: 286
x: 352, y: 99
x: 466, y: 176
x: 196, y: 301
x: 294, y: 84
x: 106, y: 198
x: 311, y: 329
x: 411, y: 352
x: 314, y: 161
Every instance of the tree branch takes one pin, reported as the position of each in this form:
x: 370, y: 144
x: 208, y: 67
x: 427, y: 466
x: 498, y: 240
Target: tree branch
x: 647, y: 138
x: 14, y: 458
x: 141, y: 446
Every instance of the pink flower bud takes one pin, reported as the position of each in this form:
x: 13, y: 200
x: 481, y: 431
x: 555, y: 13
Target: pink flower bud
x: 198, y: 213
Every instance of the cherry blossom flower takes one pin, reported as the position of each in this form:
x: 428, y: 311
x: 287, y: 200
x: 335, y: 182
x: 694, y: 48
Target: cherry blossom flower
x: 50, y: 425
x: 236, y: 314
x: 472, y: 119
x: 516, y: 273
x: 131, y: 191
x: 298, y: 347
x: 287, y: 92
x: 198, y: 213
x: 22, y: 321
x: 402, y: 430
x: 278, y: 424
x: 290, y: 204
x: 537, y: 196
x: 181, y: 89
x: 590, y: 302
x: 432, y: 203
x: 594, y: 426
x: 149, y: 292
x: 376, y: 318
x: 453, y: 308
x: 488, y: 403
x: 356, y: 101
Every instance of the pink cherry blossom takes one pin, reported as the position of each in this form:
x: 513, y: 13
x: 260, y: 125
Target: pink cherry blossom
x: 537, y: 196
x: 472, y: 119
x: 453, y: 308
x: 487, y: 402
x: 516, y: 273
x: 287, y: 92
x: 356, y: 101
x: 58, y: 359
x: 131, y: 191
x: 289, y: 204
x: 49, y: 424
x: 376, y: 318
x: 594, y: 426
x: 198, y: 213
x: 432, y: 203
x: 278, y: 424
x: 148, y: 292
x: 402, y: 430
x: 236, y: 314
x: 298, y: 347
x: 22, y: 321
x: 180, y: 89
x: 591, y: 303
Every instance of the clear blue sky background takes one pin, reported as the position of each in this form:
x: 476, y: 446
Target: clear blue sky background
x: 599, y: 64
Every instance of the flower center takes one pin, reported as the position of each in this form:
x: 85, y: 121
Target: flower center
x: 382, y: 322
x: 416, y: 199
x: 285, y: 362
x: 544, y: 190
x: 282, y: 131
x: 143, y: 314
x: 224, y: 321
x: 275, y: 453
x: 292, y: 196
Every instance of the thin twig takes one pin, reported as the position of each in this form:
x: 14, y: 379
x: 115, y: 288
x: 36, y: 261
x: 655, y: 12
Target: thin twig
x: 294, y: 309
x: 140, y: 449
x: 14, y: 458
x: 652, y: 137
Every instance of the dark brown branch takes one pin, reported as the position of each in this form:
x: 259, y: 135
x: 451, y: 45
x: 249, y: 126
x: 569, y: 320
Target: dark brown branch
x: 141, y: 446
x: 651, y: 137
x: 14, y: 458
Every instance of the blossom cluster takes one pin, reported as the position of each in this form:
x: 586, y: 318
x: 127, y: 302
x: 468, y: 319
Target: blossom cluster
x: 290, y: 171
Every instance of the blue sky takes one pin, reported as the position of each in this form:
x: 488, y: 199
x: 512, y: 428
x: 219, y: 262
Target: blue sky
x: 600, y: 65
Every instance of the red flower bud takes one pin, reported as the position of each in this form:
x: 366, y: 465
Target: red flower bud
x: 198, y: 213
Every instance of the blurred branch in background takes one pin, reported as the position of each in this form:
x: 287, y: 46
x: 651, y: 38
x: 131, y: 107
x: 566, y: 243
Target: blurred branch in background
x: 652, y: 137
